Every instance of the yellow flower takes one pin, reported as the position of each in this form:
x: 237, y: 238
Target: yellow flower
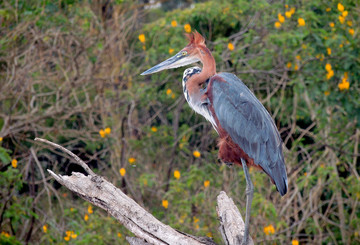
x: 340, y: 7
x: 131, y: 160
x: 196, y: 154
x: 281, y: 18
x: 70, y: 234
x: 296, y: 67
x: 86, y: 217
x: 196, y: 220
x: 345, y: 13
x: 142, y: 38
x: 4, y: 233
x: 294, y: 242
x: 330, y: 74
x: 292, y: 10
x: 288, y: 65
x: 344, y: 84
x: 349, y: 23
x: 102, y: 133
x: 328, y: 51
x: 173, y: 23
x: 206, y: 183
x: 187, y: 28
x: 351, y: 31
x: 301, y: 22
x: 286, y: 6
x: 177, y: 174
x: 45, y: 228
x: 173, y: 96
x: 168, y: 91
x: 341, y: 19
x: 165, y: 203
x: 122, y: 171
x: 328, y: 67
x: 107, y: 130
x: 119, y: 234
x: 154, y: 129
x: 331, y: 24
x: 298, y: 57
x: 1, y: 139
x: 304, y: 46
x: 327, y: 93
x: 269, y: 230
x: 14, y: 163
x: 230, y: 46
x: 90, y: 210
x: 341, y: 45
x: 144, y: 47
x: 209, y: 234
x: 328, y: 9
x: 277, y: 24
x: 171, y: 50
x: 305, y: 174
x: 288, y: 14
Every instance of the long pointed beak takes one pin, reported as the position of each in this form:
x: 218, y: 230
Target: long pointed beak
x: 180, y: 59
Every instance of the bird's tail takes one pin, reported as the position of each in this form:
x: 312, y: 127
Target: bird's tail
x: 280, y: 178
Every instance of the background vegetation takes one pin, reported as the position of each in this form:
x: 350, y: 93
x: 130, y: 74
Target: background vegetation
x: 69, y: 72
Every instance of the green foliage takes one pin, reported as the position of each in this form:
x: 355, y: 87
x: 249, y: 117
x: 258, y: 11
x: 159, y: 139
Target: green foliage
x: 71, y: 69
x: 4, y: 155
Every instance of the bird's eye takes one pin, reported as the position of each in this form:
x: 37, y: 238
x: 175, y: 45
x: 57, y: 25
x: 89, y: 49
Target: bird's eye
x: 184, y: 53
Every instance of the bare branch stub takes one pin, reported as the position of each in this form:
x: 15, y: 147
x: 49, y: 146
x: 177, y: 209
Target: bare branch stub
x: 232, y: 226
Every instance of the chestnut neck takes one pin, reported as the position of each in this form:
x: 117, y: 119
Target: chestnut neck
x: 208, y: 69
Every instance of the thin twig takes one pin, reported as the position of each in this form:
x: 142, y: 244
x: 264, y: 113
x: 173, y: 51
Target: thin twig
x: 76, y: 158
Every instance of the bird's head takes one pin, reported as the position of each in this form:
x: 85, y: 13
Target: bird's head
x: 193, y: 52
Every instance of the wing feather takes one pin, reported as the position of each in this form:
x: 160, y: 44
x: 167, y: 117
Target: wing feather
x: 249, y: 125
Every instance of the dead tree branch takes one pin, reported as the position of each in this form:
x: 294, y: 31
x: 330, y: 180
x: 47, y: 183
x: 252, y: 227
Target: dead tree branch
x: 147, y: 229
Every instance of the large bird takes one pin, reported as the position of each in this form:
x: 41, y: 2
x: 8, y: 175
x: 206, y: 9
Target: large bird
x: 248, y: 135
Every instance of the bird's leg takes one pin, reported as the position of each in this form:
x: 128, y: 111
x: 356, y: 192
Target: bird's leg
x: 249, y: 197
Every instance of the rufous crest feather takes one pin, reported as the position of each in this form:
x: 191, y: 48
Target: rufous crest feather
x: 195, y: 38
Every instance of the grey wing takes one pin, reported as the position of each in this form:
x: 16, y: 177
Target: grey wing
x: 250, y: 126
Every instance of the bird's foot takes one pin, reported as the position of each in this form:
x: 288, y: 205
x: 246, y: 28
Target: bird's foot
x: 244, y: 241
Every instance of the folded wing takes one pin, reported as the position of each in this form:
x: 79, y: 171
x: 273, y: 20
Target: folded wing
x: 249, y: 125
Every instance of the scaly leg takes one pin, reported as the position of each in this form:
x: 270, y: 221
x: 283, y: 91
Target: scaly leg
x: 249, y: 197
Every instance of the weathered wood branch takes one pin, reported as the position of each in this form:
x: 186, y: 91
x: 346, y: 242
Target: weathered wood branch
x: 232, y: 226
x: 147, y: 229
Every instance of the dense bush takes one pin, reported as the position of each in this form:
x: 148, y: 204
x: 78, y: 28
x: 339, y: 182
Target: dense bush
x: 69, y: 72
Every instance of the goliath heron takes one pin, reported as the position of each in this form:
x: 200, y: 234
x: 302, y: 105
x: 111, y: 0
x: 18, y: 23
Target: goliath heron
x: 248, y: 135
